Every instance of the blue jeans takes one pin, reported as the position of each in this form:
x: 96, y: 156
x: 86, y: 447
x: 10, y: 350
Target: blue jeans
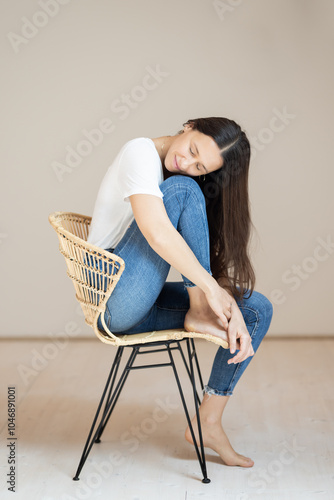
x: 143, y: 301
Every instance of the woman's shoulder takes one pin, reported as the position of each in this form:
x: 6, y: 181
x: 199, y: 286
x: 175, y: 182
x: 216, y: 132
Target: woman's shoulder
x: 139, y: 163
x: 139, y: 149
x: 139, y: 143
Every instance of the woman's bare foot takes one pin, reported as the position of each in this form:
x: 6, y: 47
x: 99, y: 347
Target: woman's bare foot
x: 201, y: 318
x: 215, y: 438
x: 204, y: 322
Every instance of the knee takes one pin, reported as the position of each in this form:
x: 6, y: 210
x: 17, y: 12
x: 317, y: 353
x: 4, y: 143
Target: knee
x: 180, y: 181
x: 182, y: 186
x: 263, y: 307
x: 257, y: 309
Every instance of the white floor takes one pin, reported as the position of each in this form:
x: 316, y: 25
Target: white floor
x: 281, y: 415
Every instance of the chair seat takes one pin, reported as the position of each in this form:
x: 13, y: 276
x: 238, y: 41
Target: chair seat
x: 158, y: 336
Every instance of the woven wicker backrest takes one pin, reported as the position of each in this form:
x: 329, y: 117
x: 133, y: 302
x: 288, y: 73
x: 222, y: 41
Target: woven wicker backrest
x: 93, y: 271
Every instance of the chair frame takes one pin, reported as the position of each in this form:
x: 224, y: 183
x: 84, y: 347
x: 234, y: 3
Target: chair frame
x: 114, y: 386
x: 72, y: 230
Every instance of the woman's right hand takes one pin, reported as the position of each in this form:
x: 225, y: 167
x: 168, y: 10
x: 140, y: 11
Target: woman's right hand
x: 220, y: 302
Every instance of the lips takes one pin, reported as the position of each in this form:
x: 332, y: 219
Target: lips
x: 175, y: 164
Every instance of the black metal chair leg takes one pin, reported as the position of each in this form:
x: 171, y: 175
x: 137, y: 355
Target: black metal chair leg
x: 111, y: 401
x: 91, y: 438
x: 110, y: 393
x: 113, y: 396
x: 200, y: 455
x: 108, y: 398
x: 197, y: 363
x: 197, y: 366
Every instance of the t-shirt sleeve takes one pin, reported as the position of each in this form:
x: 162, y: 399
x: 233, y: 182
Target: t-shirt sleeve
x: 139, y: 170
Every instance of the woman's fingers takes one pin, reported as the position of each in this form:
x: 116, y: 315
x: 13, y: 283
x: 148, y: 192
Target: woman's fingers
x: 238, y: 358
x: 232, y: 338
x: 223, y: 313
x: 224, y: 321
x: 227, y: 314
x: 245, y: 348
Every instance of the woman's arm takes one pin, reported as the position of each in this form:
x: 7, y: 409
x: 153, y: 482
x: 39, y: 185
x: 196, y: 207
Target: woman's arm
x: 153, y: 221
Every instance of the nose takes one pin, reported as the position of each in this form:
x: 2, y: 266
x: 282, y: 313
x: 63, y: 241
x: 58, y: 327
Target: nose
x: 186, y: 164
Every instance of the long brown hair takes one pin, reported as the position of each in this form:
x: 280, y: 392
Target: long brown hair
x: 227, y: 203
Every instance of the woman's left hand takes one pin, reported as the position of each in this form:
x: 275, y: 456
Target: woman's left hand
x: 238, y: 336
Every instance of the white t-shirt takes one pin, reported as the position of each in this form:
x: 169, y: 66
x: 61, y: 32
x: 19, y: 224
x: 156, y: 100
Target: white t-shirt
x: 137, y: 169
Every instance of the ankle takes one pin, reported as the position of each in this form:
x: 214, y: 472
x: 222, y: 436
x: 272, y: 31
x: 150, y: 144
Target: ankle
x: 197, y: 300
x: 210, y: 420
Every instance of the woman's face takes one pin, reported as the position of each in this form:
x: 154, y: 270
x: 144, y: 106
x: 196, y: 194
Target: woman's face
x: 193, y: 153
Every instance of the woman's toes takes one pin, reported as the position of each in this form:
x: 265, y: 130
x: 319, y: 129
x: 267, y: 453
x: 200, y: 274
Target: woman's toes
x: 216, y: 440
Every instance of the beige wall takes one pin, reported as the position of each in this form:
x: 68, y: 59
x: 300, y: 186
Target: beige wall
x: 266, y: 63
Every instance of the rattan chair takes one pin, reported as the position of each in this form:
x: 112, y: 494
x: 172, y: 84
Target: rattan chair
x: 95, y: 273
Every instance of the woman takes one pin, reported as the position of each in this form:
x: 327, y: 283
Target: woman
x: 182, y: 201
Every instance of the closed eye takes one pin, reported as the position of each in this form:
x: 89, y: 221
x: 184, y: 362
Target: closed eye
x: 193, y: 154
x: 203, y: 166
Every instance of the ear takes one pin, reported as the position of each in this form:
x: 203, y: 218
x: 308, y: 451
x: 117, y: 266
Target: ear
x: 187, y: 127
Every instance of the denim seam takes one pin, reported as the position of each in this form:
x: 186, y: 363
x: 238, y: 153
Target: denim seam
x: 193, y: 192
x: 169, y: 309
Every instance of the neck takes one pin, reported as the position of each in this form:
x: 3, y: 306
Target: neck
x: 162, y: 145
